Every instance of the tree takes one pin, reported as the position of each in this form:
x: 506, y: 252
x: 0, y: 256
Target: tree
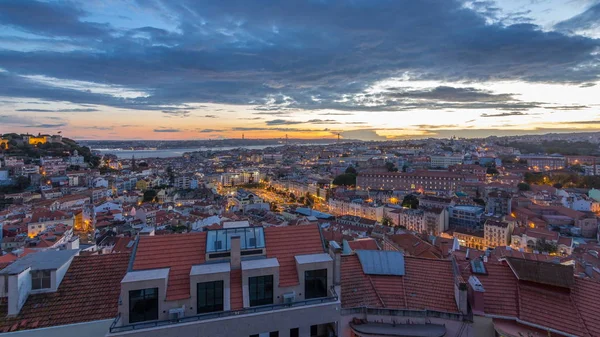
x: 524, y: 187
x: 492, y: 171
x: 351, y: 170
x: 22, y: 182
x: 558, y: 186
x: 386, y: 220
x: 171, y: 175
x: 150, y: 196
x: 391, y: 167
x: 346, y: 179
x: 410, y: 201
x: 542, y: 245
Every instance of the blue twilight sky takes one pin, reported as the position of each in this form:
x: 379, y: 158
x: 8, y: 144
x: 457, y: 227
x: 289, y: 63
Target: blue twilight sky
x: 368, y: 69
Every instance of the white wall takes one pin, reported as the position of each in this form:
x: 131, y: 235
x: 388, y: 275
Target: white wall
x: 19, y: 287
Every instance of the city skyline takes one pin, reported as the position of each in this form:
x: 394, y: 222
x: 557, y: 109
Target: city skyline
x: 369, y: 70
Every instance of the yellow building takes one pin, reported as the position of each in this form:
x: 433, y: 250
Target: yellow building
x: 4, y: 144
x: 470, y: 239
x: 141, y: 185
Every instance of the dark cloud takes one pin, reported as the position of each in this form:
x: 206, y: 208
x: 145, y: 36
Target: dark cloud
x: 211, y: 116
x: 567, y: 107
x: 294, y: 54
x: 210, y: 130
x: 505, y: 114
x: 177, y: 113
x: 432, y: 126
x: 55, y: 18
x: 248, y: 53
x: 167, y: 130
x: 102, y: 128
x: 311, y: 121
x: 59, y: 110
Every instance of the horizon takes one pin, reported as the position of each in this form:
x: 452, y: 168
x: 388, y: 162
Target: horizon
x: 366, y: 70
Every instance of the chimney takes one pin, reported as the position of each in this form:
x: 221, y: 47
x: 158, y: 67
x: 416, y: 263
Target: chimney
x: 476, y: 295
x: 335, y: 251
x: 460, y: 289
x: 236, y: 259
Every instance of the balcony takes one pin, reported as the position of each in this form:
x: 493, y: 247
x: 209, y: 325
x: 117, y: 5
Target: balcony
x: 115, y: 328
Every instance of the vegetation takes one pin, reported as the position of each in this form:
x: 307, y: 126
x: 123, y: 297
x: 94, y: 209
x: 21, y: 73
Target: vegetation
x: 63, y: 149
x: 544, y: 246
x: 386, y: 220
x: 150, y: 196
x: 346, y: 179
x: 391, y: 167
x: 524, y: 187
x: 562, y: 179
x: 410, y: 201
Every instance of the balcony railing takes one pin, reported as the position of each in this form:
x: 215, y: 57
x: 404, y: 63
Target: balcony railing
x: 409, y: 313
x: 115, y: 328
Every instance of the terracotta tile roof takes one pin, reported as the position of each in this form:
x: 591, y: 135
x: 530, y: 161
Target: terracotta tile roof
x: 542, y: 272
x: 123, y: 244
x: 365, y: 244
x: 427, y: 284
x: 175, y: 251
x: 89, y: 291
x: 284, y: 243
x: 236, y: 296
x: 585, y: 294
x: 500, y: 286
x: 549, y: 306
x: 414, y: 246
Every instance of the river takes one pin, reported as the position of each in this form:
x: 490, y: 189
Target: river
x: 169, y: 153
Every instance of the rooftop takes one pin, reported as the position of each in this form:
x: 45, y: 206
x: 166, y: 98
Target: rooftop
x: 46, y: 260
x: 89, y: 291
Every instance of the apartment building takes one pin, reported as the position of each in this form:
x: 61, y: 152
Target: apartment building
x: 356, y: 208
x: 58, y: 293
x: 241, y: 178
x: 411, y: 219
x: 436, y: 181
x: 497, y: 233
x: 498, y: 203
x: 544, y: 163
x: 275, y: 281
x: 468, y: 217
x: 445, y: 161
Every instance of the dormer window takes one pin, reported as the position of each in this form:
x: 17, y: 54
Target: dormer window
x: 40, y: 279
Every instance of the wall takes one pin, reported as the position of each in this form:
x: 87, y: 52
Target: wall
x: 19, y: 287
x: 88, y: 329
x: 244, y: 325
x: 452, y: 326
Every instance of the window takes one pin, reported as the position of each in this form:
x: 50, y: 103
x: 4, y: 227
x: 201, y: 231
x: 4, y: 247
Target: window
x: 143, y: 305
x: 261, y: 290
x: 210, y: 297
x: 40, y: 279
x: 315, y: 283
x: 295, y: 332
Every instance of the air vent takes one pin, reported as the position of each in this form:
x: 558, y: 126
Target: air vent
x: 289, y: 298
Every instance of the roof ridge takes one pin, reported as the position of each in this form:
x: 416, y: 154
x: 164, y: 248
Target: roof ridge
x: 375, y: 290
x: 581, y: 320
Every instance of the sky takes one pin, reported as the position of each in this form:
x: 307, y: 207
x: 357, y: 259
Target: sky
x: 363, y: 69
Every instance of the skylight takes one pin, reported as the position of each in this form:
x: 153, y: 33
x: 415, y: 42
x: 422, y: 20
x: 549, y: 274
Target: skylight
x: 220, y: 240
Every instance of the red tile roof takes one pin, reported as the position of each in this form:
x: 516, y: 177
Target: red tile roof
x: 365, y: 244
x: 427, y: 284
x: 284, y: 243
x: 175, y: 251
x: 89, y: 291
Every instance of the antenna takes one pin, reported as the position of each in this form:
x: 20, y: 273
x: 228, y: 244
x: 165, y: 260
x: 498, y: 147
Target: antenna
x: 338, y: 139
x: 286, y: 139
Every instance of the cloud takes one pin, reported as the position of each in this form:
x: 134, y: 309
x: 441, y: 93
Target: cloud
x: 362, y: 134
x: 311, y: 121
x: 567, y: 107
x: 167, y: 130
x: 102, y: 128
x: 588, y: 20
x: 52, y: 19
x: 211, y: 116
x: 59, y: 110
x: 177, y: 113
x: 210, y: 130
x: 320, y: 53
x: 505, y: 114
